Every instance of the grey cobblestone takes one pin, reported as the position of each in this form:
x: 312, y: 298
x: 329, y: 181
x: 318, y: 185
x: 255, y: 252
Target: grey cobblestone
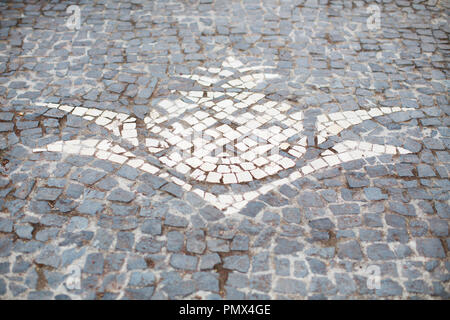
x: 133, y: 149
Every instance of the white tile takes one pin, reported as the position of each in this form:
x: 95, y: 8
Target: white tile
x: 340, y: 148
x: 225, y: 198
x: 391, y: 149
x: 149, y: 168
x: 334, y: 129
x: 336, y: 116
x: 343, y: 123
x: 258, y: 173
x: 247, y: 166
x: 87, y: 151
x: 378, y: 148
x: 356, y: 154
x: 225, y: 73
x: 167, y: 161
x: 307, y: 169
x: 149, y: 142
x: 55, y: 147
x: 286, y: 163
x: 345, y: 157
x: 295, y: 153
x: 101, y: 121
x: 184, y: 145
x: 118, y: 149
x: 318, y: 164
x: 213, y: 177
x: 66, y: 108
x: 244, y: 176
x: 135, y: 163
x: 210, y: 159
x: 101, y: 154
x: 322, y: 118
x: 229, y: 178
x: 403, y: 151
x: 129, y: 126
x: 72, y: 149
x: 271, y: 169
x: 235, y: 168
x: 297, y: 115
x: 182, y: 168
x: 232, y: 134
x: 375, y: 112
x: 251, y: 195
x: 79, y: 111
x: 295, y: 175
x: 241, y: 146
x: 117, y: 158
x: 223, y: 169
x: 196, y: 173
x: 327, y: 153
x: 208, y: 166
x: 332, y: 160
x: 36, y: 150
x: 120, y: 116
x: 175, y: 156
x: 260, y: 161
x: 109, y: 114
x: 365, y: 145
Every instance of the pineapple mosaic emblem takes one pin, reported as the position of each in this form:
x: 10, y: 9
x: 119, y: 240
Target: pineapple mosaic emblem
x: 226, y: 131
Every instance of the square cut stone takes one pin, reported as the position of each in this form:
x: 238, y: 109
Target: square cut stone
x: 258, y: 173
x: 332, y: 160
x: 206, y: 166
x: 244, y: 176
x: 223, y: 169
x: 182, y: 168
x: 101, y: 154
x: 135, y: 163
x: 272, y: 169
x: 229, y: 178
x: 149, y: 168
x: 109, y: 114
x: 117, y: 158
x: 307, y: 169
x: 214, y: 177
x: 247, y: 166
x: 102, y: 121
x: 286, y: 163
x: 232, y: 134
x: 318, y: 164
x: 375, y: 112
x: 79, y: 111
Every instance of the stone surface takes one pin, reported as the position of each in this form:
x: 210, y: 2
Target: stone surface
x: 224, y: 150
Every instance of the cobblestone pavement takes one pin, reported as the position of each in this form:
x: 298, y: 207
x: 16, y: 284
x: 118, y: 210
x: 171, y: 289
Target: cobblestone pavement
x: 223, y: 149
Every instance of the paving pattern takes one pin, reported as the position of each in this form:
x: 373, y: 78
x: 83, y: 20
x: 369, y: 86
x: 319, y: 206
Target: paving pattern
x: 254, y: 149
